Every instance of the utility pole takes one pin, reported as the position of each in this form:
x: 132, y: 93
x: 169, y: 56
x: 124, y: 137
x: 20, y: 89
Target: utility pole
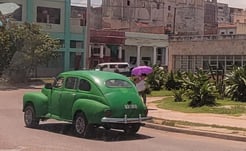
x: 164, y: 22
x: 87, y: 40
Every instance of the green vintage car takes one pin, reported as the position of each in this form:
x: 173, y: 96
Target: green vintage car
x: 88, y: 99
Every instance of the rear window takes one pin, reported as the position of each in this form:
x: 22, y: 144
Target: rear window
x: 123, y: 66
x: 117, y: 83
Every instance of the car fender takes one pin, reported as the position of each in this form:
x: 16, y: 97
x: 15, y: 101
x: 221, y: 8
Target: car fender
x: 39, y: 102
x: 93, y: 110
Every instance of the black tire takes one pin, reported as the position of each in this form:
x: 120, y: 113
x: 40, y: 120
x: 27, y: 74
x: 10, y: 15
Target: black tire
x: 132, y: 129
x: 30, y: 118
x: 106, y: 127
x: 81, y: 126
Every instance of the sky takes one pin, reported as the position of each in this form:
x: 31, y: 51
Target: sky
x: 83, y: 2
x: 232, y: 3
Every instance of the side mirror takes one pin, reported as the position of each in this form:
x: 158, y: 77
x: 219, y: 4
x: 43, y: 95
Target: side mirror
x: 48, y: 86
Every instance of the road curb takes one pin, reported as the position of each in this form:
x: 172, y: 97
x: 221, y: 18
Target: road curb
x: 195, y: 132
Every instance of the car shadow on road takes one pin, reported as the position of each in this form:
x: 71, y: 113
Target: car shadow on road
x: 100, y: 134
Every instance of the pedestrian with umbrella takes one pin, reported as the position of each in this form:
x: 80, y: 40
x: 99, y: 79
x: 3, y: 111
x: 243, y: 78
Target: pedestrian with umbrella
x: 141, y: 73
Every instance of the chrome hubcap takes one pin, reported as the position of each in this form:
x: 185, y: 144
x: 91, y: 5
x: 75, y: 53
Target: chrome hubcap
x: 80, y: 125
x: 28, y: 116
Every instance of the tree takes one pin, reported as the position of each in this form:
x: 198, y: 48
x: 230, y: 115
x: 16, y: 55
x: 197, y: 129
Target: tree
x: 236, y: 84
x: 23, y: 46
x: 6, y: 42
x: 30, y: 47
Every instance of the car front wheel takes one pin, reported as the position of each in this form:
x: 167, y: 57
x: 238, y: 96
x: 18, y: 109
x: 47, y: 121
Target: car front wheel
x: 30, y: 117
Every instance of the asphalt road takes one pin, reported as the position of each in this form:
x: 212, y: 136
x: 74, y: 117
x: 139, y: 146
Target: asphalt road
x: 58, y: 136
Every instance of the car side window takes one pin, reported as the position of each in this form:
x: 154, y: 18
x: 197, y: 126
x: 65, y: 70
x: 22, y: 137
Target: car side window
x: 70, y: 83
x: 84, y: 85
x: 59, y: 82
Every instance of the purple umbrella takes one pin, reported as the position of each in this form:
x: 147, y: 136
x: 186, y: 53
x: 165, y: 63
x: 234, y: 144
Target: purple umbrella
x: 141, y: 70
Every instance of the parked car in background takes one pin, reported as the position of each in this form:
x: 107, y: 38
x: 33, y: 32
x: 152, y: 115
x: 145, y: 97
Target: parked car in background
x: 119, y: 67
x: 87, y: 99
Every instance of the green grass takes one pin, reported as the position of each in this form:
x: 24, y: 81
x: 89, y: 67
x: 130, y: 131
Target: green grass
x: 223, y: 107
x: 160, y: 93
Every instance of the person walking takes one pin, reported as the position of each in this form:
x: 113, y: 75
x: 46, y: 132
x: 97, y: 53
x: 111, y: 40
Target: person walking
x: 141, y: 86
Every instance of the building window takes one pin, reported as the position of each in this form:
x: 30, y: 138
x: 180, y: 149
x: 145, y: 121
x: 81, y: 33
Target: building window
x: 17, y: 14
x: 76, y: 44
x: 221, y: 8
x: 78, y: 15
x: 169, y: 8
x: 128, y: 2
x: 146, y: 61
x: 143, y: 4
x: 208, y: 63
x: 62, y: 43
x: 48, y: 15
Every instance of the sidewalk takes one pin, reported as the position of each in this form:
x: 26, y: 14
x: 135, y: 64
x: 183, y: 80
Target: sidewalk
x: 222, y: 126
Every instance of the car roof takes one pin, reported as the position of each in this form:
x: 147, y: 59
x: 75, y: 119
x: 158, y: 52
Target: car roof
x: 113, y: 63
x: 93, y: 75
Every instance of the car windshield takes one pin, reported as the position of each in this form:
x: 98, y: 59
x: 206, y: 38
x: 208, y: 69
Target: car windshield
x: 116, y: 83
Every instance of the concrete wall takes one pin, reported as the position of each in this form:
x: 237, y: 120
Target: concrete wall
x: 241, y: 28
x: 143, y: 39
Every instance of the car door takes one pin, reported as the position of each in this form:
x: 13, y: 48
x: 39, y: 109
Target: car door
x: 55, y: 96
x: 68, y: 97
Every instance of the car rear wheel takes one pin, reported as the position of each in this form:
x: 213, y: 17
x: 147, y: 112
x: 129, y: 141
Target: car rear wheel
x: 132, y: 129
x: 30, y: 118
x: 82, y: 128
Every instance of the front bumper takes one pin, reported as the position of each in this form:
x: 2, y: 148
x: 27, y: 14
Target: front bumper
x: 125, y: 120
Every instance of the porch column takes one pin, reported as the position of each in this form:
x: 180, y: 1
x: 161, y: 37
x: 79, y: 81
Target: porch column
x: 138, y: 55
x: 154, y: 56
x: 166, y: 59
x: 89, y: 53
x: 101, y: 51
x: 120, y: 53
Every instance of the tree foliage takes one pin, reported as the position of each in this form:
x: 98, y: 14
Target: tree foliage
x: 23, y: 48
x: 198, y: 88
x: 157, y: 78
x: 173, y: 82
x: 6, y: 43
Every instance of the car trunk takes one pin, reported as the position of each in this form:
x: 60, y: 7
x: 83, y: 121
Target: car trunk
x: 125, y: 104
